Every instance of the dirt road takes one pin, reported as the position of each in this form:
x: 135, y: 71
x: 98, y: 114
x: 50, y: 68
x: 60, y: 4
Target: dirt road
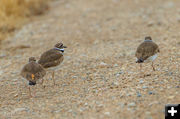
x: 99, y: 78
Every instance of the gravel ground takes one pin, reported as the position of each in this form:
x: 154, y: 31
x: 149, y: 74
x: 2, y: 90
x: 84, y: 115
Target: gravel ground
x: 99, y: 78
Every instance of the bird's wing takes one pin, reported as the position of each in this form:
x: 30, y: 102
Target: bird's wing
x: 146, y: 49
x: 33, y: 71
x: 50, y: 58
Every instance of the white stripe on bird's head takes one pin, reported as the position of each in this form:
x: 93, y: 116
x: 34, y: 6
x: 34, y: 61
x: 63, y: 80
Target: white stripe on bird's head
x: 60, y: 49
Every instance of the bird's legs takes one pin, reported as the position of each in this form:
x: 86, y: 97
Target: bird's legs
x: 153, y: 67
x: 53, y: 77
x: 141, y: 72
x: 42, y: 80
x: 30, y: 92
x: 34, y: 93
x: 140, y: 67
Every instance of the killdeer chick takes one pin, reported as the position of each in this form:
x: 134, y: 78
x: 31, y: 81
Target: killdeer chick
x: 52, y: 58
x: 32, y: 72
x: 147, y: 51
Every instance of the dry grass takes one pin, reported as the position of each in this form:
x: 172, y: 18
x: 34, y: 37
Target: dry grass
x: 14, y: 13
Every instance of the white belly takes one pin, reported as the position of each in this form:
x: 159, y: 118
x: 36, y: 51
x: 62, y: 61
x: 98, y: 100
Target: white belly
x: 152, y: 58
x: 56, y: 68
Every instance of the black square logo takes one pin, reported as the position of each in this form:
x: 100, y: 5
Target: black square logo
x: 172, y: 111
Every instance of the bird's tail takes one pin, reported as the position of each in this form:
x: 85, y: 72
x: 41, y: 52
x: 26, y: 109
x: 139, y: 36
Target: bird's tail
x: 140, y: 60
x: 32, y: 83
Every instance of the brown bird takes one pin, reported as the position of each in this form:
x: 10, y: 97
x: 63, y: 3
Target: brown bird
x: 147, y: 51
x: 33, y: 72
x: 52, y: 58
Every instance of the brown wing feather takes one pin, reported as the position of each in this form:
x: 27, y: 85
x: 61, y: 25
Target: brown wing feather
x: 146, y: 49
x: 50, y: 58
x: 35, y: 69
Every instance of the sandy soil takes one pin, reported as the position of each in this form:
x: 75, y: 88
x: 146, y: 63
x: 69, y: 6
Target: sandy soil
x: 99, y: 78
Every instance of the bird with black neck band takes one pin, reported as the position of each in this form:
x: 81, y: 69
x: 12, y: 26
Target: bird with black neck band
x: 51, y: 59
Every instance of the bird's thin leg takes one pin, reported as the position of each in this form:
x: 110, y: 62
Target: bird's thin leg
x: 42, y: 81
x: 53, y: 77
x: 34, y: 93
x: 30, y: 92
x: 141, y: 72
x: 153, y: 67
x: 140, y: 67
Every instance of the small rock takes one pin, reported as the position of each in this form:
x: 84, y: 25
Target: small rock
x: 171, y: 97
x: 144, y: 87
x: 141, y: 81
x: 107, y: 113
x: 16, y: 95
x: 115, y: 65
x: 14, y: 79
x: 86, y: 104
x: 121, y: 104
x: 1, y: 72
x: 2, y: 55
x: 151, y: 23
x: 20, y: 110
x: 103, y: 64
x: 57, y: 111
x: 150, y: 92
x: 177, y: 86
x: 132, y: 104
x: 70, y: 110
x: 82, y: 109
x: 76, y: 92
x: 139, y: 94
x: 118, y: 74
x: 115, y: 83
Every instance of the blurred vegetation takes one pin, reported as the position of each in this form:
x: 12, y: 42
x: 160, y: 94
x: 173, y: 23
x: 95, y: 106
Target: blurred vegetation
x: 14, y: 13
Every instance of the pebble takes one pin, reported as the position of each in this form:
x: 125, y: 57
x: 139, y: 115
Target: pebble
x: 70, y: 110
x: 121, y: 104
x: 76, y: 92
x: 1, y: 72
x: 2, y: 55
x: 103, y: 64
x: 144, y: 87
x: 20, y: 110
x: 139, y: 94
x: 171, y: 97
x: 141, y: 81
x: 115, y: 83
x: 118, y: 74
x: 115, y: 65
x: 86, y: 104
x: 132, y: 104
x: 150, y: 92
x: 107, y: 113
x: 177, y: 86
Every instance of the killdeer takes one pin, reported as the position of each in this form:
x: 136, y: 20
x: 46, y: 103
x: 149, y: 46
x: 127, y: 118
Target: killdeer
x: 147, y: 51
x: 52, y: 58
x: 32, y: 72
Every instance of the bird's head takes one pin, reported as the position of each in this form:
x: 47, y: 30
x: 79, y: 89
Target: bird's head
x: 32, y: 59
x: 60, y: 47
x: 148, y: 38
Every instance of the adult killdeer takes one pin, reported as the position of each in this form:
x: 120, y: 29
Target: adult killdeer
x: 52, y: 58
x: 32, y: 72
x: 147, y: 51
